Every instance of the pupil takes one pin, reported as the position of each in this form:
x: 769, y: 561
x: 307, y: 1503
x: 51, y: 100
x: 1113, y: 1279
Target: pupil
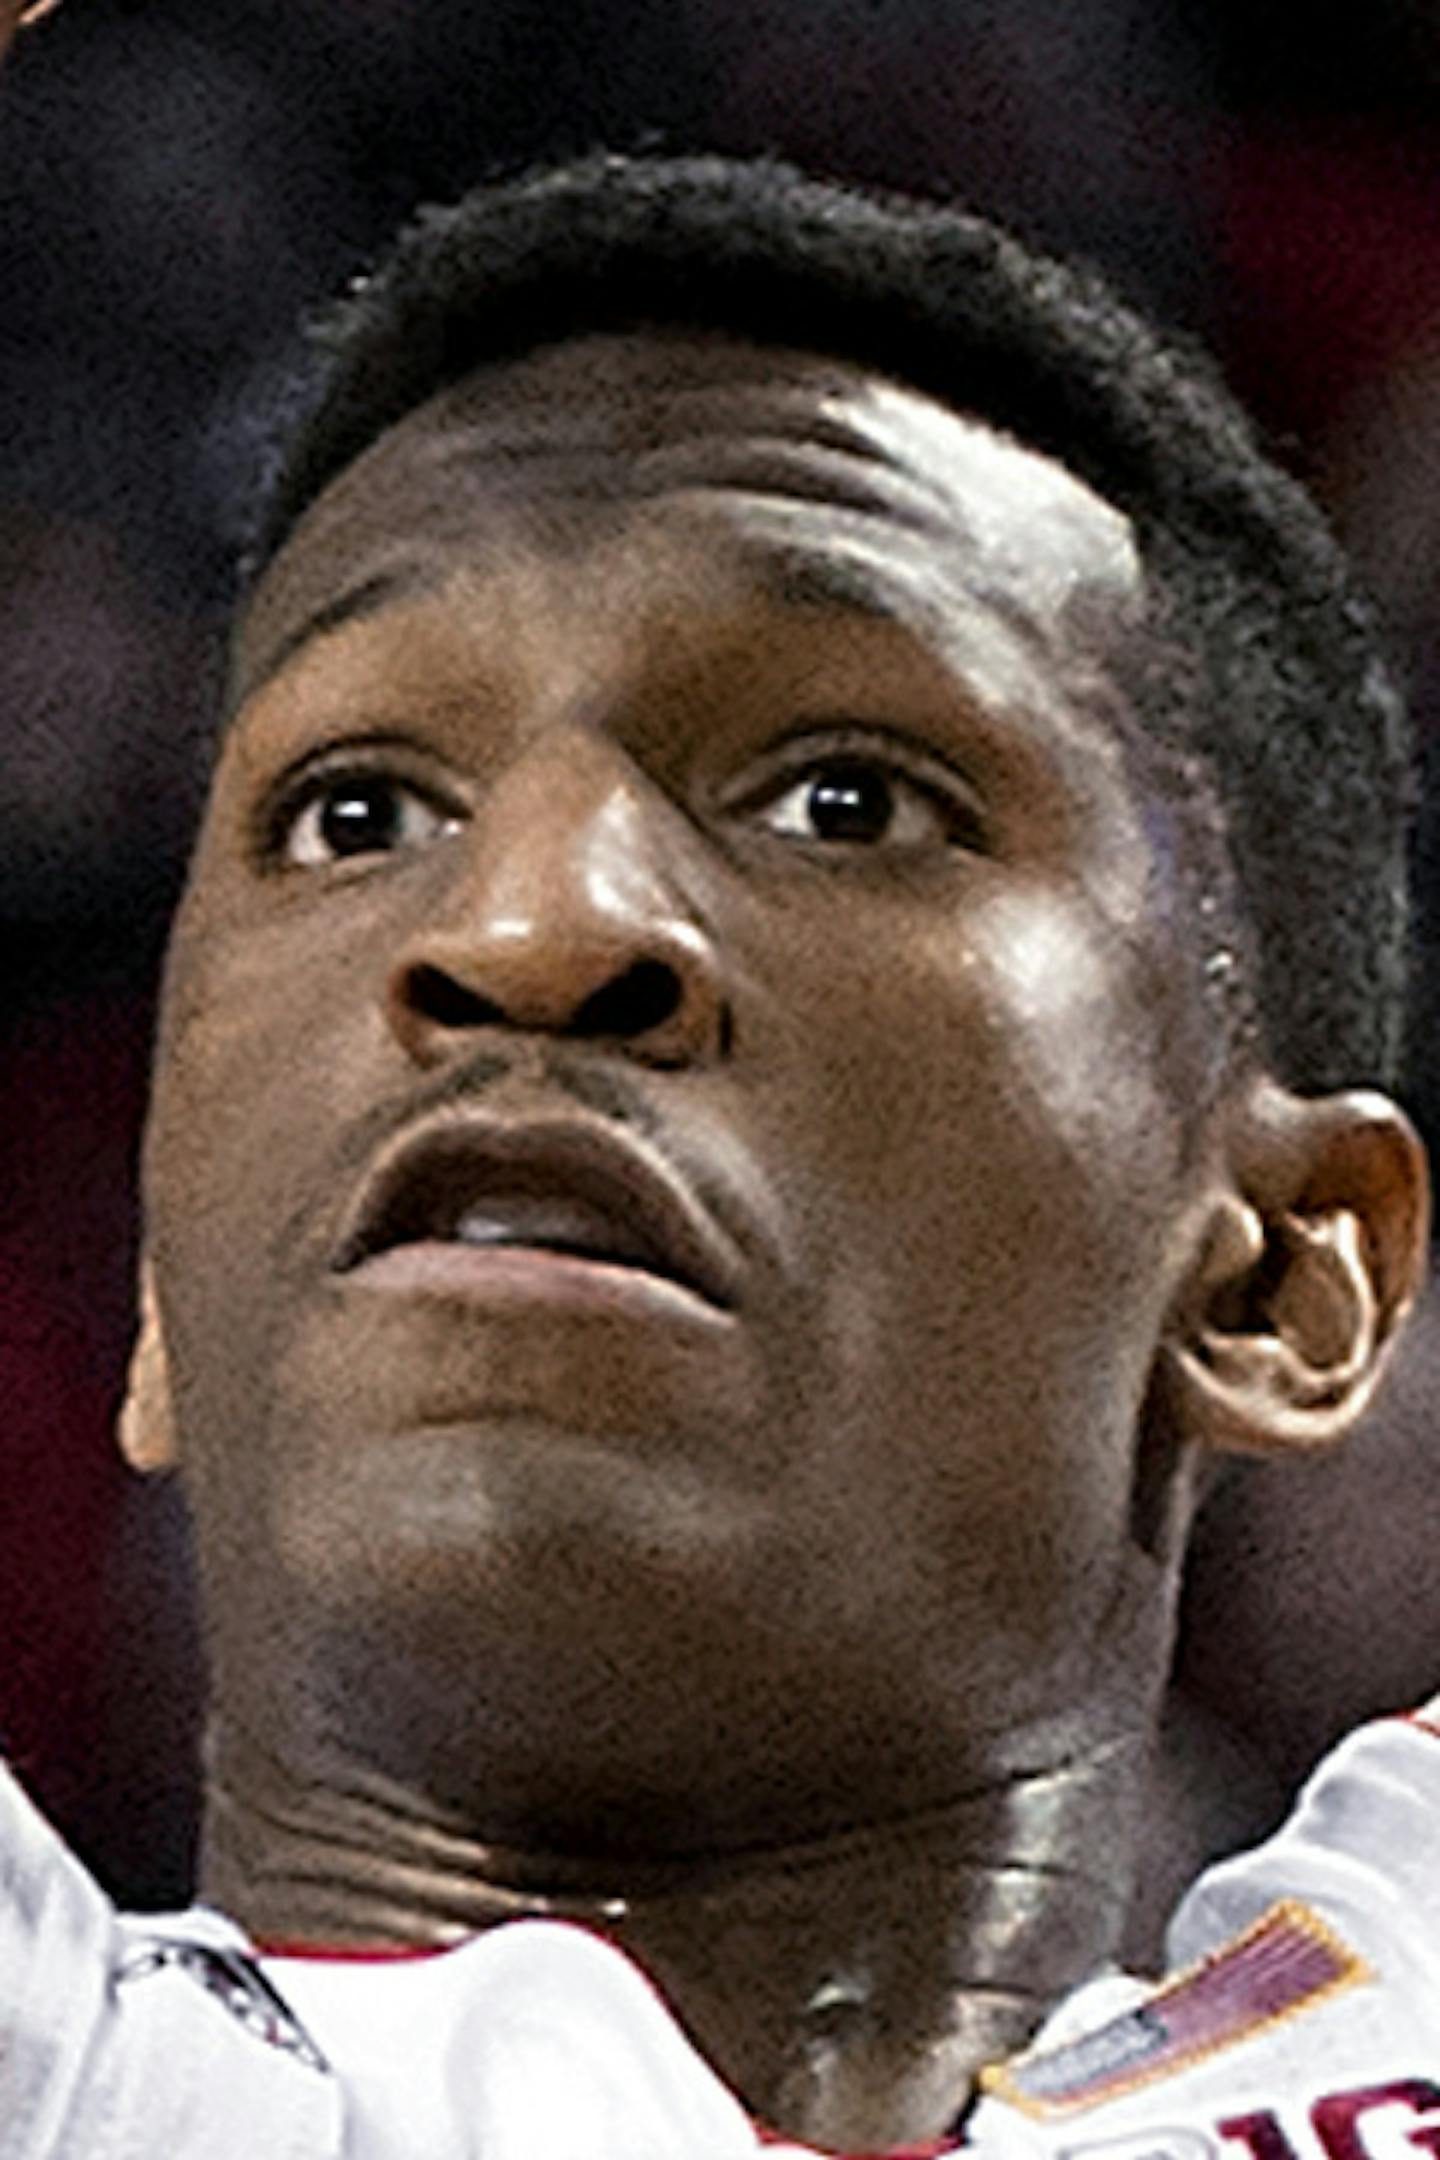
x: 851, y: 802
x: 359, y: 817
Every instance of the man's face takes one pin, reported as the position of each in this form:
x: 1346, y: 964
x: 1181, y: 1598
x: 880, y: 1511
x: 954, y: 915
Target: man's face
x: 666, y: 1172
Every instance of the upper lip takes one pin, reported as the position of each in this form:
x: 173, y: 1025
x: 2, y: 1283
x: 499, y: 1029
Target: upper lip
x: 632, y: 1206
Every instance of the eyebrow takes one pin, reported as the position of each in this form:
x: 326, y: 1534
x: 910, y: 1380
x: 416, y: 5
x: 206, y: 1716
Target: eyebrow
x: 843, y: 583
x: 369, y: 596
x: 799, y: 578
x: 789, y: 575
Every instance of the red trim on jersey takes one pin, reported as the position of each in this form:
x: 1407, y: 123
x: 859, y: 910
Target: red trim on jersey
x: 938, y: 2149
x: 349, y: 1953
x: 395, y: 1953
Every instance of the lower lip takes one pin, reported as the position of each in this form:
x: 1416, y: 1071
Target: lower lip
x: 498, y: 1275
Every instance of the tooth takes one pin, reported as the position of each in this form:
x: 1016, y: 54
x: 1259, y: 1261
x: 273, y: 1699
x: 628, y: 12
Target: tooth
x: 478, y: 1226
x: 559, y: 1224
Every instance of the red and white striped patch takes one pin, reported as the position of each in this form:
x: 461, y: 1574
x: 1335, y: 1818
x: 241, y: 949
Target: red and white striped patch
x: 1287, y: 1963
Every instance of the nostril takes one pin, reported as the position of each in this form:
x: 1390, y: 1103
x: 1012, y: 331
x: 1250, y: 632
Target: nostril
x: 644, y: 997
x: 439, y: 997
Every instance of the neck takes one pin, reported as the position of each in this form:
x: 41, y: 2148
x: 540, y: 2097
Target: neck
x: 848, y: 1988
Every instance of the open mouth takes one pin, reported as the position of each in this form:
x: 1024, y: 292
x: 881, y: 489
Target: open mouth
x: 572, y: 1190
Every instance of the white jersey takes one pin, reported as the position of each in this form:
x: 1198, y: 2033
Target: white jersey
x: 1303, y: 2022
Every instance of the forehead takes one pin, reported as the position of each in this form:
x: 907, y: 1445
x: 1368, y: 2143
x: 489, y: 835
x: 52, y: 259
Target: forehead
x: 814, y: 479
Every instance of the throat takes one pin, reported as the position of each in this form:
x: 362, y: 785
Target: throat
x: 848, y: 1989
x: 851, y: 1990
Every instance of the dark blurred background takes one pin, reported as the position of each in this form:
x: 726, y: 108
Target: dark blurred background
x: 179, y: 180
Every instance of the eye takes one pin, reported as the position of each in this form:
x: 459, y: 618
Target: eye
x: 865, y: 801
x: 347, y: 814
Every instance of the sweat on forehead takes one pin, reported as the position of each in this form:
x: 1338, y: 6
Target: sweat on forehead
x: 1281, y: 697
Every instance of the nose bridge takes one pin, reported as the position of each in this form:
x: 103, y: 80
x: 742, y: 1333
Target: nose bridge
x: 563, y: 914
x: 563, y: 839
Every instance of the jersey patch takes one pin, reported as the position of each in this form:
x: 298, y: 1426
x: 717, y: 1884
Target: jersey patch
x: 234, y: 1980
x: 1288, y: 1962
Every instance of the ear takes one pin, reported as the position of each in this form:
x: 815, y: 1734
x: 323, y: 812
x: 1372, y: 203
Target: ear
x: 146, y: 1429
x: 1312, y: 1253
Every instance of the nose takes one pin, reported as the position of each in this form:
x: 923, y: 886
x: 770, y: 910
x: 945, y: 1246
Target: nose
x: 561, y: 920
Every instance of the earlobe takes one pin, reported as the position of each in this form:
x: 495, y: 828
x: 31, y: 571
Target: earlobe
x: 1312, y: 1255
x: 146, y: 1427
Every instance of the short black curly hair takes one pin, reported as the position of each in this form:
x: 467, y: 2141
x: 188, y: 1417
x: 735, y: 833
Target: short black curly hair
x: 1279, y: 732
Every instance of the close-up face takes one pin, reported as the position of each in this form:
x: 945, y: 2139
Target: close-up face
x: 669, y: 1161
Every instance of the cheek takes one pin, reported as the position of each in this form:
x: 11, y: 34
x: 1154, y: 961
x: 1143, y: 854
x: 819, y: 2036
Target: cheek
x: 270, y: 1022
x: 1078, y: 1043
x: 261, y: 1064
x: 254, y: 1080
x: 988, y: 1067
x: 992, y: 1207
